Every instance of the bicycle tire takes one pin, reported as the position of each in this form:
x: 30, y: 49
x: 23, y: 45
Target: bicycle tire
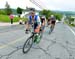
x: 31, y: 37
x: 49, y: 31
x: 52, y: 28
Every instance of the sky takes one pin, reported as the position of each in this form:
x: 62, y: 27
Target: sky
x: 63, y: 5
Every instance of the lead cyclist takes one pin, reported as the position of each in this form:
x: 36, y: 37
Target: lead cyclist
x: 52, y: 22
x: 35, y: 20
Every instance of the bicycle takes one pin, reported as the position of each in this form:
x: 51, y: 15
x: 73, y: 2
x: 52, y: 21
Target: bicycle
x: 29, y: 42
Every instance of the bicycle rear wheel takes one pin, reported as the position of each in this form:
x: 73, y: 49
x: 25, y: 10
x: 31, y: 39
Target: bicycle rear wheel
x: 52, y: 28
x: 28, y: 44
x: 49, y: 31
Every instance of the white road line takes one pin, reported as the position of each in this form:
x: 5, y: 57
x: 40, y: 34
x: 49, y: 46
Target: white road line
x: 71, y: 30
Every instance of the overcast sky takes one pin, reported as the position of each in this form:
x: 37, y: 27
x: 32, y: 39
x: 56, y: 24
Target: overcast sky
x: 67, y: 5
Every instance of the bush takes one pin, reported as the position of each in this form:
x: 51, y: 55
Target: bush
x: 73, y: 25
x: 5, y: 18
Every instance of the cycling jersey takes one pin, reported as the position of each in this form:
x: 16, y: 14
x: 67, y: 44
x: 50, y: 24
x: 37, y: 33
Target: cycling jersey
x: 36, y: 21
x: 42, y: 19
x: 53, y: 20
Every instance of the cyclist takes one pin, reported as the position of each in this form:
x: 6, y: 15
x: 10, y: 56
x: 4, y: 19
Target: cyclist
x: 52, y: 22
x: 43, y: 19
x: 35, y: 20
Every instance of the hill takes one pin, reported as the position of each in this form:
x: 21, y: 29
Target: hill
x: 66, y: 12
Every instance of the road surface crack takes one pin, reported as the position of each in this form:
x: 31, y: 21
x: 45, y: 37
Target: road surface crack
x: 8, y: 55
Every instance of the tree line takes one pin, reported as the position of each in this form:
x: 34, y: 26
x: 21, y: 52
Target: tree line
x: 8, y: 10
x: 47, y: 13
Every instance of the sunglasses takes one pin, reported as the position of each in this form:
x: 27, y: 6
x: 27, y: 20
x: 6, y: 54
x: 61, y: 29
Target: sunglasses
x: 32, y: 13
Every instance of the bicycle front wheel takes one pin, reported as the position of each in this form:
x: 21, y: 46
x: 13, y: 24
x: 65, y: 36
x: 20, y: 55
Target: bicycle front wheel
x: 28, y: 44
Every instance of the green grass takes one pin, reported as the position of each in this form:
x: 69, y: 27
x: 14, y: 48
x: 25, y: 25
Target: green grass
x: 5, y: 18
x: 72, y: 25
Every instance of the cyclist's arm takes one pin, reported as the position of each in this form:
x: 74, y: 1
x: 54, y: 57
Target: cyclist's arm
x: 28, y: 24
x: 44, y: 22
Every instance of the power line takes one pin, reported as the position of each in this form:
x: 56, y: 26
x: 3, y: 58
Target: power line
x: 36, y: 4
x: 42, y: 4
x: 37, y: 1
x: 39, y: 4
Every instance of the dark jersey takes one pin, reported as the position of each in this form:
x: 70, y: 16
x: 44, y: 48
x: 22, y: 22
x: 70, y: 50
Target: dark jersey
x: 42, y: 20
x: 48, y: 20
x: 52, y: 19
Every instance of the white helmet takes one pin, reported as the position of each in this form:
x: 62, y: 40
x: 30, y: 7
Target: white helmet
x: 52, y: 15
x: 43, y: 17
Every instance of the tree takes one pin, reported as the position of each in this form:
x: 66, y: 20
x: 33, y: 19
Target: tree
x: 8, y: 9
x: 19, y: 11
x: 58, y: 16
x: 47, y: 13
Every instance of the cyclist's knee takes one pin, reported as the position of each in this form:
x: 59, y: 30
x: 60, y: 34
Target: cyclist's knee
x: 37, y: 30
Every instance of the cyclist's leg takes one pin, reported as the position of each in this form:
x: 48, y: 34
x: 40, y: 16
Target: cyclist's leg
x: 49, y: 28
x: 28, y: 28
x: 53, y: 25
x: 42, y: 28
x: 38, y: 37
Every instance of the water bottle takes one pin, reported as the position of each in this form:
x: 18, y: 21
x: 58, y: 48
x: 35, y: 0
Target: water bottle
x: 38, y: 38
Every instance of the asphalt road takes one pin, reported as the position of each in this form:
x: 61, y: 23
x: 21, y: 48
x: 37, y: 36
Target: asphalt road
x: 60, y: 44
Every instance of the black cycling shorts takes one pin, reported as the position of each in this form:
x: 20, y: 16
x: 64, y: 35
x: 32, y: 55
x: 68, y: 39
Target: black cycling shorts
x: 35, y: 25
x: 53, y: 22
